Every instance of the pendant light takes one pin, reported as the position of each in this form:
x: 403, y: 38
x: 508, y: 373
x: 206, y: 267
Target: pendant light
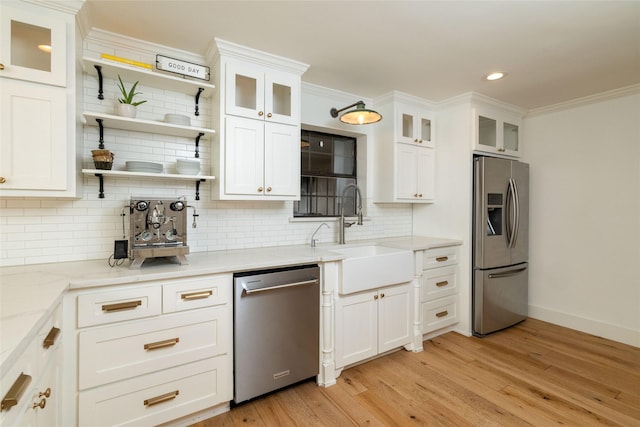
x: 358, y: 116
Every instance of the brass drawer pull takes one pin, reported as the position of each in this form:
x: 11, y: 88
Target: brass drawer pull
x: 16, y: 391
x: 196, y: 295
x: 442, y: 313
x: 443, y: 283
x: 162, y: 398
x: 442, y: 258
x: 161, y: 344
x: 121, y: 306
x: 46, y: 393
x: 51, y: 337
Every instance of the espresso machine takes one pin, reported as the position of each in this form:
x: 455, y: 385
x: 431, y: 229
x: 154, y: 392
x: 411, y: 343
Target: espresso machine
x: 158, y: 229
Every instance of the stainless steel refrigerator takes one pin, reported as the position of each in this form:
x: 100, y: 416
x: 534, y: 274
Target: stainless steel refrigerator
x: 500, y: 244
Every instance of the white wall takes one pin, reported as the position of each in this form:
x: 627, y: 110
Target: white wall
x: 36, y: 231
x: 585, y: 216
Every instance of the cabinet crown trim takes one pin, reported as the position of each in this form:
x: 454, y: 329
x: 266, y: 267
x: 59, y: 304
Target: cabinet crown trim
x: 248, y: 54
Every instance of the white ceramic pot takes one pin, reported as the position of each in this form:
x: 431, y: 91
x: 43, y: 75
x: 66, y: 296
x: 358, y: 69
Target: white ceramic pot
x: 126, y: 110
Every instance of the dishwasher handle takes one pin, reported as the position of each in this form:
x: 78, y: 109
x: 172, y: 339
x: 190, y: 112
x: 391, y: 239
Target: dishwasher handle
x: 270, y: 288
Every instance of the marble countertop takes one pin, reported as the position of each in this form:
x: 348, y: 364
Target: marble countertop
x: 30, y: 293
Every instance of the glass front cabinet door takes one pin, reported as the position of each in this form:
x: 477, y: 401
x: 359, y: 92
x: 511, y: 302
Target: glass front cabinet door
x: 497, y: 131
x: 414, y: 127
x: 33, y: 45
x: 260, y: 93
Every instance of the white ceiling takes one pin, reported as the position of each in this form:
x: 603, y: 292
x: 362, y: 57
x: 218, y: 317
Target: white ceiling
x: 553, y: 51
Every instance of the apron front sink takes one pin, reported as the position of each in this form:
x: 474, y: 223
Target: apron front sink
x: 373, y: 266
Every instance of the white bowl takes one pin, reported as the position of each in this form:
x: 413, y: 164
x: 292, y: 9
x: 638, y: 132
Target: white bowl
x: 188, y: 166
x: 177, y: 119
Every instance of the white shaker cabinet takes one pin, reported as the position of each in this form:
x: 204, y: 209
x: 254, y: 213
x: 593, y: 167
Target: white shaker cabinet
x: 257, y: 150
x: 496, y: 129
x: 404, y: 150
x: 262, y: 159
x: 31, y: 388
x: 438, y: 289
x: 150, y: 353
x: 370, y: 323
x: 37, y: 100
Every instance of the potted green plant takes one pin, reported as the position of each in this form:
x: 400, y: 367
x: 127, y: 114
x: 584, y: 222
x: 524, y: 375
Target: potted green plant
x: 126, y: 105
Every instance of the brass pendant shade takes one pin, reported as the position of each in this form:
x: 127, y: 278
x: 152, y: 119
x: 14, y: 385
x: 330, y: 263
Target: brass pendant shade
x: 358, y: 116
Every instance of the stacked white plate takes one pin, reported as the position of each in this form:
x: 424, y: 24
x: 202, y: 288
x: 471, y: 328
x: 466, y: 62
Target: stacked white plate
x: 144, y: 167
x: 177, y: 119
x: 188, y: 166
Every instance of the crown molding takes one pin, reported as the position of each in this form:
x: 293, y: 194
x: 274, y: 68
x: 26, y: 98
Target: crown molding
x: 586, y: 100
x: 333, y: 94
x: 255, y: 56
x: 397, y: 96
x: 66, y: 6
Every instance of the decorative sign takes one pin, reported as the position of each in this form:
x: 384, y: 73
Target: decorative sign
x: 184, y: 68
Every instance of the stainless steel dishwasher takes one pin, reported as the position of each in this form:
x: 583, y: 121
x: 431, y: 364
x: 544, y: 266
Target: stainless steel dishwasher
x: 276, y: 329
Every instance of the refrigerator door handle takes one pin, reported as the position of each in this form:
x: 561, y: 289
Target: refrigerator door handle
x: 507, y: 273
x: 516, y: 225
x: 512, y: 213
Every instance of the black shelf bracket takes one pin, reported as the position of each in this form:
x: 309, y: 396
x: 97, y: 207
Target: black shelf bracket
x: 101, y: 190
x: 101, y: 139
x: 198, y: 188
x: 100, y: 91
x: 200, y: 135
x: 200, y: 90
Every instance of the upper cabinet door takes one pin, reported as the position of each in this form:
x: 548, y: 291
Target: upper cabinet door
x: 260, y: 93
x: 282, y: 98
x: 497, y: 131
x: 414, y: 126
x: 33, y: 46
x: 244, y: 91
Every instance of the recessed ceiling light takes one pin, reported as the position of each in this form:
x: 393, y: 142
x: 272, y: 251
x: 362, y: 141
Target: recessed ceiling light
x: 44, y: 48
x: 495, y: 75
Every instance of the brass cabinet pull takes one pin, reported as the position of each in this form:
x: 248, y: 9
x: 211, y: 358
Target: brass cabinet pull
x: 415, y: 195
x: 121, y: 306
x: 1, y: 67
x: 46, y: 393
x: 260, y: 189
x: 375, y: 296
x: 269, y: 115
x: 442, y: 313
x: 2, y: 180
x: 162, y: 398
x: 196, y: 295
x: 443, y: 283
x: 442, y: 258
x: 51, y: 337
x: 269, y: 189
x: 40, y: 405
x: 382, y: 295
x: 16, y: 391
x: 161, y: 344
x: 260, y: 113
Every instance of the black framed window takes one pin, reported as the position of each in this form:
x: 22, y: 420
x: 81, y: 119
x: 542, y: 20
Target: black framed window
x: 328, y: 164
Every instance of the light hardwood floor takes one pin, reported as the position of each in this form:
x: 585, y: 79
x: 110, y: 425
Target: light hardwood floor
x: 535, y: 373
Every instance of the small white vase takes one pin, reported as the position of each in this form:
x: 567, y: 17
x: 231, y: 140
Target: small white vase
x: 126, y: 110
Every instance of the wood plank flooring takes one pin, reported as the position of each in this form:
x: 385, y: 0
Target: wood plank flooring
x: 535, y: 374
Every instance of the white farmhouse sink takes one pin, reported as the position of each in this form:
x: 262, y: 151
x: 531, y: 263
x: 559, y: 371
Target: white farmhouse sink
x: 372, y: 266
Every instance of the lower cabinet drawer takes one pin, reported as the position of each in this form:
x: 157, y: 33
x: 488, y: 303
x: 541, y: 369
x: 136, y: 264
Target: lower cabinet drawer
x: 438, y: 313
x: 114, y: 353
x: 159, y: 397
x: 440, y: 257
x: 438, y: 282
x: 188, y: 294
x: 99, y: 308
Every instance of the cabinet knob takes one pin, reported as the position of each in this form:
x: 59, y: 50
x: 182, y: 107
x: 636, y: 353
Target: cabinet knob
x: 375, y: 296
x: 415, y: 195
x: 46, y: 393
x: 269, y: 115
x: 260, y: 189
x: 382, y: 295
x: 260, y: 113
x: 501, y: 150
x: 40, y: 405
x: 2, y: 180
x: 1, y: 67
x: 268, y: 189
x: 420, y: 195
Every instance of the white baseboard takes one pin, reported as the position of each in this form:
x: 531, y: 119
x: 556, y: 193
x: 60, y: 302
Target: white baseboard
x: 590, y: 326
